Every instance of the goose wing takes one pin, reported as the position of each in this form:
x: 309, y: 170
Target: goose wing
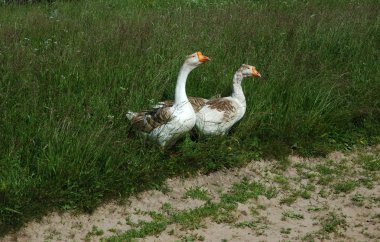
x: 146, y: 121
x: 223, y: 106
x: 196, y: 102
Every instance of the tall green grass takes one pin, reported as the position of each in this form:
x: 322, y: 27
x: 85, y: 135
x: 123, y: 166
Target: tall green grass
x: 71, y: 70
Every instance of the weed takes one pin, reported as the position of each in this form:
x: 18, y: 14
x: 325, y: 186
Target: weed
x: 285, y: 230
x: 250, y: 224
x: 189, y: 238
x: 129, y: 222
x: 201, y: 238
x: 262, y: 207
x: 325, y: 170
x: 164, y: 188
x: 305, y: 194
x: 282, y: 164
x: 370, y: 162
x: 283, y: 181
x: 197, y: 192
x: 293, y: 215
x: 368, y: 180
x: 358, y: 199
x: 167, y: 208
x: 254, y: 211
x: 332, y: 222
x: 95, y: 231
x: 323, y: 193
x: 225, y: 214
x: 345, y: 186
x: 325, y: 180
x: 291, y: 198
x: 314, y: 209
x: 309, y: 187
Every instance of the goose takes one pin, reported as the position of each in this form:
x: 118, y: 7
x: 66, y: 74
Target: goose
x: 217, y: 115
x: 168, y: 123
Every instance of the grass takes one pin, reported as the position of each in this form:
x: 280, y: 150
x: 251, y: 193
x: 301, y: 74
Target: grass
x: 332, y: 222
x: 292, y: 215
x: 285, y: 230
x: 70, y: 70
x: 94, y: 232
x: 358, y: 199
x: 345, y: 186
x: 197, y: 192
x: 290, y: 198
x: 370, y: 162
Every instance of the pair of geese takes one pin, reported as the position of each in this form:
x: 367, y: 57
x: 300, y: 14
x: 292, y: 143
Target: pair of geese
x: 167, y: 121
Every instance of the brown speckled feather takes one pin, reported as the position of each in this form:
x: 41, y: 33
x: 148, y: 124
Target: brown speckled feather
x: 222, y: 105
x: 167, y: 103
x: 196, y: 102
x: 146, y: 121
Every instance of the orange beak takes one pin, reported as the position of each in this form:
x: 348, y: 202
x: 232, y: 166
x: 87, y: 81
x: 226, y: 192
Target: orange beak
x: 255, y: 73
x: 202, y: 58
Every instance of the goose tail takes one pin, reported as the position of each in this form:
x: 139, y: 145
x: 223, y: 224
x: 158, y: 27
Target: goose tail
x: 130, y: 115
x: 158, y: 105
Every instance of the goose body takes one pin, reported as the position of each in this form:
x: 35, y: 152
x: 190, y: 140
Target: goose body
x: 218, y: 115
x: 166, y: 124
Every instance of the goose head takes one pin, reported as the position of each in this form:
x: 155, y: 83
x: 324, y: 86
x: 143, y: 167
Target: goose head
x: 196, y: 59
x: 248, y: 70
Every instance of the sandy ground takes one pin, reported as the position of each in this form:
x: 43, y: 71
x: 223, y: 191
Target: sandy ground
x: 272, y: 220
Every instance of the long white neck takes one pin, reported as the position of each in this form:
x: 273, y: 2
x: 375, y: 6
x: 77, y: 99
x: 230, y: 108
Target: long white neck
x: 237, y: 90
x: 180, y: 91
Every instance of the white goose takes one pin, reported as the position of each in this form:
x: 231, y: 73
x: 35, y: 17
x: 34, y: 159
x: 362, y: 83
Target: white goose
x: 218, y: 115
x: 167, y: 124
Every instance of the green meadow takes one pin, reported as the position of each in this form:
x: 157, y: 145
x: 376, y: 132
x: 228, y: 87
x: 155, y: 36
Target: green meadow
x: 70, y: 70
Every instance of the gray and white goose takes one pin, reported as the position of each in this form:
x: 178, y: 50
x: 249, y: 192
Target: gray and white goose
x: 218, y: 115
x: 168, y: 123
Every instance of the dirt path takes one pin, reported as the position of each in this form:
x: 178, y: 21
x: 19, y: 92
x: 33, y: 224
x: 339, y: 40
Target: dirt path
x: 335, y: 198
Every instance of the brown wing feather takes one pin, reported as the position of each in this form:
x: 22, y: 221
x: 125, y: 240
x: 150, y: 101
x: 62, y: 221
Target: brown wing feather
x: 146, y: 121
x: 222, y: 105
x: 167, y: 103
x: 196, y: 102
x: 162, y: 115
